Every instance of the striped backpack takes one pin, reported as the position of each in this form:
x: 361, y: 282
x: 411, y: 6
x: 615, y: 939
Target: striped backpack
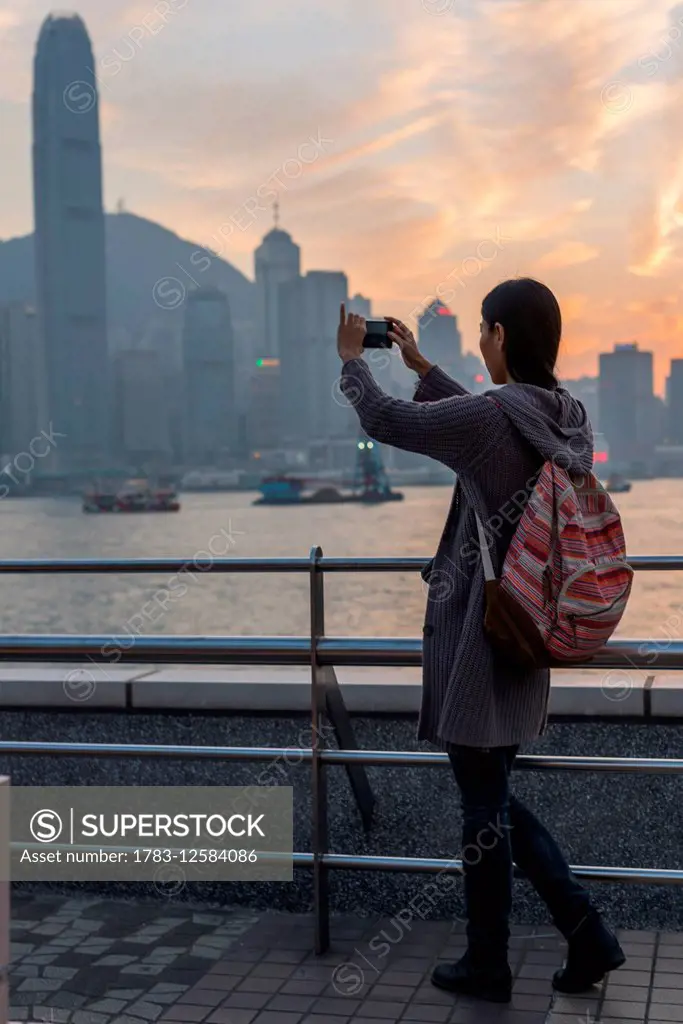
x: 565, y: 580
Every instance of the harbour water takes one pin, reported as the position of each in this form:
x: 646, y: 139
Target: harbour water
x: 386, y: 604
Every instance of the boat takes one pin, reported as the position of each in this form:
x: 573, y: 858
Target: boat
x: 134, y: 496
x: 284, y: 490
x: 618, y: 484
x: 370, y: 485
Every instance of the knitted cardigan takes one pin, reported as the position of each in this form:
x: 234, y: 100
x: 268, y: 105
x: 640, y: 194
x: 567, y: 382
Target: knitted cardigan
x: 471, y: 695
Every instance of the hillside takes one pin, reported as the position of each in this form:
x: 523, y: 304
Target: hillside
x: 139, y: 253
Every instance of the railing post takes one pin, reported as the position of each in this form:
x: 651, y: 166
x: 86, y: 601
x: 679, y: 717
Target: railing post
x: 319, y: 825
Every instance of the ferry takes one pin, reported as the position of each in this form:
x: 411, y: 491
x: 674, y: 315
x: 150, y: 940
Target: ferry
x: 134, y: 496
x: 286, y: 490
x: 370, y: 485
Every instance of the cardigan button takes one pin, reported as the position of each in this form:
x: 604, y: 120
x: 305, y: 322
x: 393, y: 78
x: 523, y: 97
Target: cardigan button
x: 428, y: 629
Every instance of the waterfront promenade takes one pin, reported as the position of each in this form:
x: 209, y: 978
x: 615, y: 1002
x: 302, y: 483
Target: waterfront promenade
x: 210, y: 710
x: 93, y: 961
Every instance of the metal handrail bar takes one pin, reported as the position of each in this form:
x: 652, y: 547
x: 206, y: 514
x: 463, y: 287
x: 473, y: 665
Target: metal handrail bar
x: 205, y: 562
x: 430, y: 865
x: 345, y: 651
x: 528, y: 762
x: 30, y: 748
x: 303, y: 755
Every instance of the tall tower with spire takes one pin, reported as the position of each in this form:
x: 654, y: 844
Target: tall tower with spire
x: 276, y: 261
x: 69, y: 241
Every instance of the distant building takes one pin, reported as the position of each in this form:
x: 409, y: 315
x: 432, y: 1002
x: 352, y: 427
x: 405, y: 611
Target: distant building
x: 69, y: 241
x: 23, y: 409
x: 586, y: 389
x: 312, y: 404
x: 629, y: 415
x: 263, y: 428
x: 276, y: 261
x: 208, y: 366
x: 360, y: 305
x: 440, y: 340
x: 674, y: 401
x: 141, y: 409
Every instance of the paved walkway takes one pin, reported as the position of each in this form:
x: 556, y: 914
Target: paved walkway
x: 103, y: 962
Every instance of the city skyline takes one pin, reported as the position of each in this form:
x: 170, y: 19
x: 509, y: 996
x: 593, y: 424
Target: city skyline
x: 436, y: 150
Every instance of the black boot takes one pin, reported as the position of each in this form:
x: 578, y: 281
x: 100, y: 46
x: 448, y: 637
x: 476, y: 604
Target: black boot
x: 492, y: 983
x: 593, y: 952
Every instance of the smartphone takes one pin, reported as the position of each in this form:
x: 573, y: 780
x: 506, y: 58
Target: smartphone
x: 377, y: 336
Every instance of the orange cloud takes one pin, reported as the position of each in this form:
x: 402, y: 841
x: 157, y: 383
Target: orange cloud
x: 567, y: 254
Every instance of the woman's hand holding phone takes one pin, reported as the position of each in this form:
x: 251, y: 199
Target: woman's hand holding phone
x: 403, y: 337
x: 350, y: 334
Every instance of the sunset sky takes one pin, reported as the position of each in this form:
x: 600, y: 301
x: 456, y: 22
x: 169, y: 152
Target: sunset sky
x: 459, y: 142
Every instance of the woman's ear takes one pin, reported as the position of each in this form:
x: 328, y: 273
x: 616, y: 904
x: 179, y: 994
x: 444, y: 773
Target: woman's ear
x: 499, y: 337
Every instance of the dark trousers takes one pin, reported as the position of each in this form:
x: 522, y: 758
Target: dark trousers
x: 497, y: 830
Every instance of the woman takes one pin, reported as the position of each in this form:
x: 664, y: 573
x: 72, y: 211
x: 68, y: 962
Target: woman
x: 475, y: 705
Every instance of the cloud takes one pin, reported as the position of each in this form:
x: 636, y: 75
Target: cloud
x: 567, y: 254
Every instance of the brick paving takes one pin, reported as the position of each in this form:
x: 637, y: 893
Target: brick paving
x: 95, y: 961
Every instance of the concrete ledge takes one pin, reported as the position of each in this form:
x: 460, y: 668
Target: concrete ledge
x: 65, y: 686
x: 366, y: 690
x: 585, y: 693
x: 597, y: 693
x: 666, y: 695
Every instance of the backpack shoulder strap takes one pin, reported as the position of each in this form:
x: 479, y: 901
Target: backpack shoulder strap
x: 489, y: 574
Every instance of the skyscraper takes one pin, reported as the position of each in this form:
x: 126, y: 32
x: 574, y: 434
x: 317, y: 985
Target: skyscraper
x: 22, y: 380
x: 276, y: 261
x: 312, y: 404
x: 209, y: 369
x: 263, y: 426
x: 629, y: 416
x: 361, y: 305
x: 69, y: 241
x: 439, y: 338
x: 674, y: 397
x: 141, y: 408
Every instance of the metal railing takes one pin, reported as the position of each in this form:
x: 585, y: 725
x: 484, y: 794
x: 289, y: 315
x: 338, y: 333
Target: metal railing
x: 322, y: 653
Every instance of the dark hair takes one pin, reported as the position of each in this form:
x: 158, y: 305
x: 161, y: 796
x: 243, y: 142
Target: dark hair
x: 530, y: 315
